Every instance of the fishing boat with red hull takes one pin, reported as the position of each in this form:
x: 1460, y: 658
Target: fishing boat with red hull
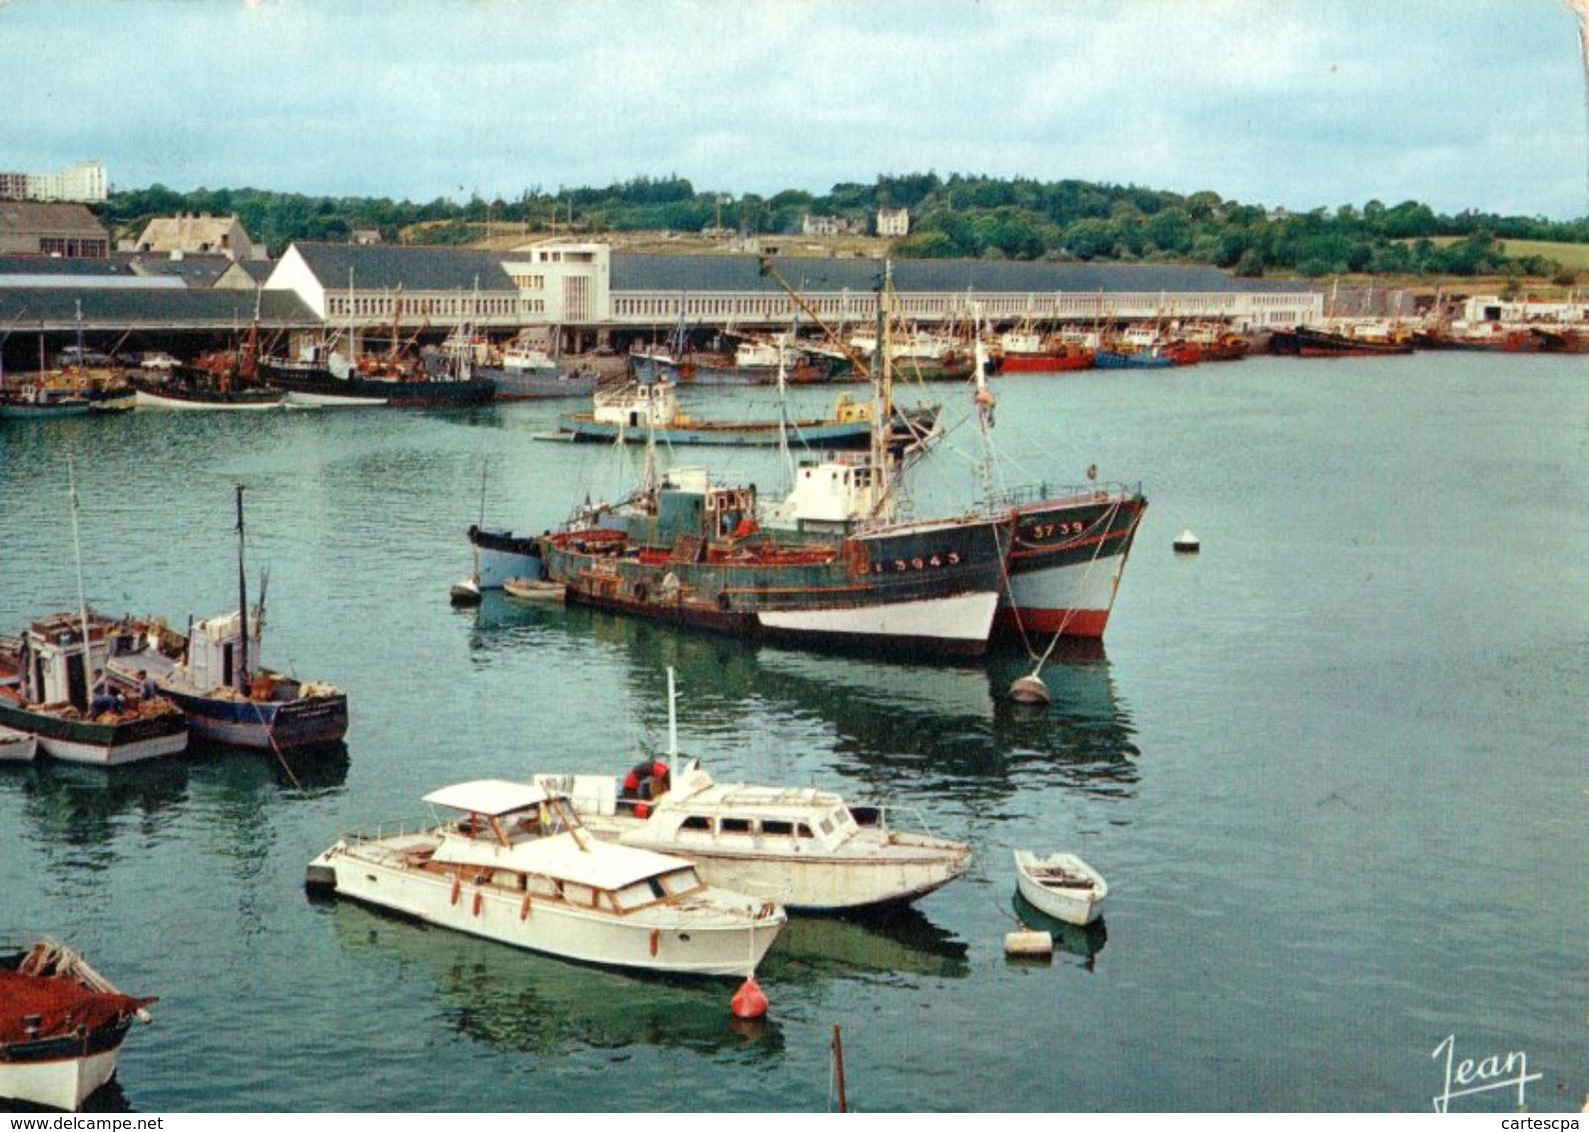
x: 1067, y: 557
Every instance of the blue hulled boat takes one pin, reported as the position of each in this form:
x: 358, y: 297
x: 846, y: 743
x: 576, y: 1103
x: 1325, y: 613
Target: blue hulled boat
x: 212, y: 676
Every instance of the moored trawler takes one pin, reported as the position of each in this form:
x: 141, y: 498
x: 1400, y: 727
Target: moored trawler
x: 517, y: 866
x: 922, y: 590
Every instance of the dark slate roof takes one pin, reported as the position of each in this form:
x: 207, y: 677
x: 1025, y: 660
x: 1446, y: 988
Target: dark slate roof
x: 257, y: 269
x: 386, y: 266
x: 742, y: 273
x: 60, y: 265
x: 193, y: 270
x: 23, y: 309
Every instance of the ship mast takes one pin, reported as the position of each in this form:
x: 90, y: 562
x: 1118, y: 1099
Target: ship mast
x: 82, y: 601
x: 883, y: 378
x: 242, y: 602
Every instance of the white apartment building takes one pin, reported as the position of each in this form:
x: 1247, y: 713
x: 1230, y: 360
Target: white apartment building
x: 82, y: 182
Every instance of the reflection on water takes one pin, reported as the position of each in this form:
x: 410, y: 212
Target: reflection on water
x: 519, y: 1000
x: 904, y: 945
x: 78, y: 805
x: 303, y: 772
x: 930, y: 728
x: 74, y: 806
x: 1085, y: 942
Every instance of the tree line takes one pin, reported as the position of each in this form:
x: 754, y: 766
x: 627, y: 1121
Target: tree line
x: 957, y: 216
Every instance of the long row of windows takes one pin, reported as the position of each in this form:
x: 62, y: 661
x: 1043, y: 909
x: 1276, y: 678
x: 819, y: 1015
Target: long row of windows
x: 858, y: 308
x: 383, y: 306
x: 659, y: 307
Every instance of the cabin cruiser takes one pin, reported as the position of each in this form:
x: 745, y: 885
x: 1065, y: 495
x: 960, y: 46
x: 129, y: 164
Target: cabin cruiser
x: 803, y: 847
x: 512, y: 862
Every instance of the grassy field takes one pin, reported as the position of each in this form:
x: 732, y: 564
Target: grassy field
x: 1575, y: 257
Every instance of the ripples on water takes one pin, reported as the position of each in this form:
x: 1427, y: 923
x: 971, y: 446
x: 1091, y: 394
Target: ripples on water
x: 1331, y: 766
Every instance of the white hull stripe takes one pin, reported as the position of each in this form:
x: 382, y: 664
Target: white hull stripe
x: 1081, y: 585
x: 965, y: 617
x: 155, y: 401
x: 122, y: 753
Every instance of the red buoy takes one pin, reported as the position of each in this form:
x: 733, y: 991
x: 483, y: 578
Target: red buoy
x: 749, y: 1001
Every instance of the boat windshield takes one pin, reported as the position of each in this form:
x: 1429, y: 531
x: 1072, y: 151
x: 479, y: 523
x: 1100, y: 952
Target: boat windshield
x: 679, y: 881
x: 837, y: 822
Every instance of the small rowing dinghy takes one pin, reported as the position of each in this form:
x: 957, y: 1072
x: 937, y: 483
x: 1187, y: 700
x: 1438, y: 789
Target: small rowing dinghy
x: 536, y: 589
x: 1061, y: 885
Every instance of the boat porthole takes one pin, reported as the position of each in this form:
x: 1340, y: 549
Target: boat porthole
x: 684, y: 937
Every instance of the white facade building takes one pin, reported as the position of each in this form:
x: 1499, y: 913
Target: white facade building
x: 893, y: 222
x: 562, y: 283
x: 82, y: 182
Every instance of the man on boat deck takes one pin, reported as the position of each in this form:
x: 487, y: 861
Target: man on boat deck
x: 146, y: 688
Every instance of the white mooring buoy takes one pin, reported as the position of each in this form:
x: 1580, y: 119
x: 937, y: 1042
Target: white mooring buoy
x: 1186, y: 543
x: 1028, y: 944
x: 466, y: 592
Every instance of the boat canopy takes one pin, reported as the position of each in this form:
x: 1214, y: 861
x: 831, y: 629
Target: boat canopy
x: 603, y: 865
x: 492, y: 797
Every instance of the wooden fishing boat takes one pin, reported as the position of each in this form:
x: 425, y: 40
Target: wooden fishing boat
x: 1061, y: 885
x: 516, y: 865
x: 53, y: 686
x: 692, y: 553
x: 214, y: 677
x: 1312, y: 342
x: 61, y: 1026
x: 644, y: 412
x: 525, y: 373
x: 35, y: 401
x: 220, y: 380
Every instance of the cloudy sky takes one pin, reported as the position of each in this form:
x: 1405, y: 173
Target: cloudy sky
x: 1295, y: 103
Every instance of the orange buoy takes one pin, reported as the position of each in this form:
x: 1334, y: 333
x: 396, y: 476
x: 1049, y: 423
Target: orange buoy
x: 477, y: 902
x: 524, y: 909
x: 748, y: 1000
x: 655, y: 938
x: 455, y: 888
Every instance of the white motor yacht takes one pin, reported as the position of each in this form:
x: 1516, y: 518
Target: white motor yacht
x: 512, y: 862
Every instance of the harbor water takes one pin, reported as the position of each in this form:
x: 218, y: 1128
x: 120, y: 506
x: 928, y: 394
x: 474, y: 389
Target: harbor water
x: 1332, y: 766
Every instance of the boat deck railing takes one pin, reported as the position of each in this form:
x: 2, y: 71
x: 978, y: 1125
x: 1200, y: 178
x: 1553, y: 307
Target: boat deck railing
x: 879, y: 816
x: 389, y: 830
x: 1047, y: 492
